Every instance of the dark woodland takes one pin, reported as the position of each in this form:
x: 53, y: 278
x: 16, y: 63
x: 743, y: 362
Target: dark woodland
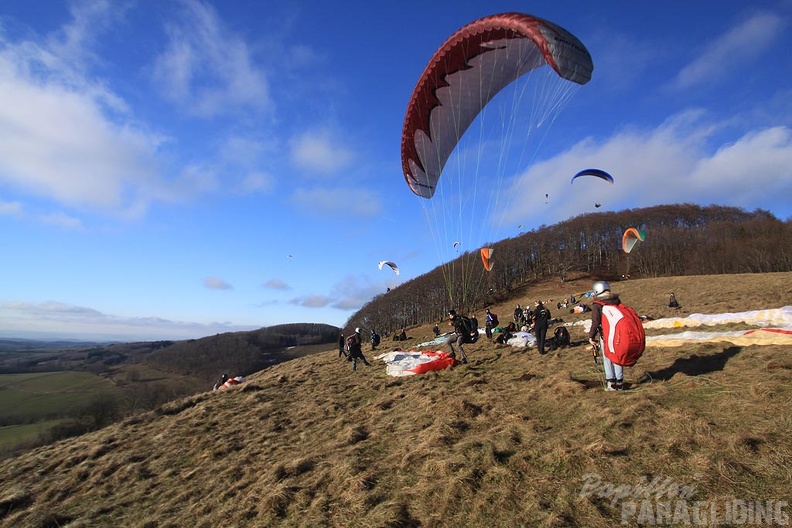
x: 681, y: 240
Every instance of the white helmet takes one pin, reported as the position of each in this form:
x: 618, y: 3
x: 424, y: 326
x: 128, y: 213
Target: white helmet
x: 357, y: 330
x: 601, y: 286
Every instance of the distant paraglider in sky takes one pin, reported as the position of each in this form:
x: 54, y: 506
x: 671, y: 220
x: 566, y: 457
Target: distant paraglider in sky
x: 597, y: 205
x: 597, y: 173
x: 389, y: 264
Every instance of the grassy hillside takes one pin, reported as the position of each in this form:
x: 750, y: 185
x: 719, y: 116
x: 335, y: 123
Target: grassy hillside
x: 511, y: 439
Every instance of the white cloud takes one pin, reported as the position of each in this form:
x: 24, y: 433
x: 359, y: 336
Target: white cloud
x: 312, y: 301
x: 674, y: 163
x: 353, y: 292
x: 11, y: 209
x: 62, y: 220
x: 207, y: 70
x: 57, y: 319
x: 349, y: 294
x: 53, y: 309
x: 276, y: 284
x: 59, y: 139
x: 216, y: 283
x: 743, y: 43
x: 319, y: 152
x: 351, y: 202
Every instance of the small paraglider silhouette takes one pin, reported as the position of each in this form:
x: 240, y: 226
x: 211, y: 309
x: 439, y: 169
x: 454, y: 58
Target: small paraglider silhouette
x: 547, y: 197
x: 597, y: 205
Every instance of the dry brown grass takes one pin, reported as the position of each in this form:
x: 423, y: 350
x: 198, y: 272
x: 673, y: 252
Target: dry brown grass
x: 503, y: 441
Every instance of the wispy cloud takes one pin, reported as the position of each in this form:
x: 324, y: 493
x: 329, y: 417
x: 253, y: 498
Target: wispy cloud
x: 62, y: 220
x: 216, y: 283
x: 743, y: 43
x: 352, y: 202
x: 276, y: 284
x: 319, y: 152
x: 64, y: 138
x: 349, y: 294
x: 11, y: 209
x: 312, y: 301
x: 206, y: 69
x: 673, y: 163
x: 53, y: 318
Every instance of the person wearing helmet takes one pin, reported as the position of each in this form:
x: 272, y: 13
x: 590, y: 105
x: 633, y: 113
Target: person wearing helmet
x: 355, y: 348
x: 614, y: 374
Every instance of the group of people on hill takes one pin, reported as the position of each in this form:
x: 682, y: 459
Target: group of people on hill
x: 538, y: 319
x: 465, y: 330
x: 600, y: 334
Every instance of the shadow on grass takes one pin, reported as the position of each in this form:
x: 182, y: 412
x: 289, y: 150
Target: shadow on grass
x: 696, y: 365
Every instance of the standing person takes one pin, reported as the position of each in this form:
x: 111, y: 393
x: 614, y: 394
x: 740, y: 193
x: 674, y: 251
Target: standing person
x: 341, y: 343
x: 614, y: 374
x: 355, y: 346
x: 541, y: 321
x: 436, y: 330
x: 375, y: 340
x: 461, y: 334
x: 518, y: 315
x: 490, y: 321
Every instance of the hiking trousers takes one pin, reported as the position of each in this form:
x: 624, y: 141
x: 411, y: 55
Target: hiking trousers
x: 362, y: 358
x: 541, y: 337
x: 612, y: 370
x: 458, y: 339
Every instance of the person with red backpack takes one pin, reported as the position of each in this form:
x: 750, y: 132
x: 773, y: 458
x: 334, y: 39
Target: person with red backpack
x: 621, y: 335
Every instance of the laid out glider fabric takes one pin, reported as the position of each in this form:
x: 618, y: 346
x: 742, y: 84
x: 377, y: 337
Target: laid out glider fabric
x: 775, y: 328
x: 597, y: 173
x: 761, y: 336
x: 486, y: 258
x: 390, y: 264
x: 410, y: 363
x: 230, y: 382
x: 466, y: 72
x: 522, y: 340
x: 780, y: 317
x: 631, y: 237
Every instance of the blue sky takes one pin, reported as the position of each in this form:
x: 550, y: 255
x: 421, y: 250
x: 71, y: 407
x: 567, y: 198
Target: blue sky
x: 171, y: 170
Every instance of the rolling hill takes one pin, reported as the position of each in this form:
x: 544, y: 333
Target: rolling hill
x: 511, y: 439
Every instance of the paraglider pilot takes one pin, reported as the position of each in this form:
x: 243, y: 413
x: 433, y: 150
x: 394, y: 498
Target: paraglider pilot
x: 355, y: 348
x: 460, y: 335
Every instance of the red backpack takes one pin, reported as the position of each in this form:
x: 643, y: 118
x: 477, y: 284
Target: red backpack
x: 623, y: 334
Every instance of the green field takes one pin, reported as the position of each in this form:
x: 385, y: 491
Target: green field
x: 14, y: 436
x: 31, y: 403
